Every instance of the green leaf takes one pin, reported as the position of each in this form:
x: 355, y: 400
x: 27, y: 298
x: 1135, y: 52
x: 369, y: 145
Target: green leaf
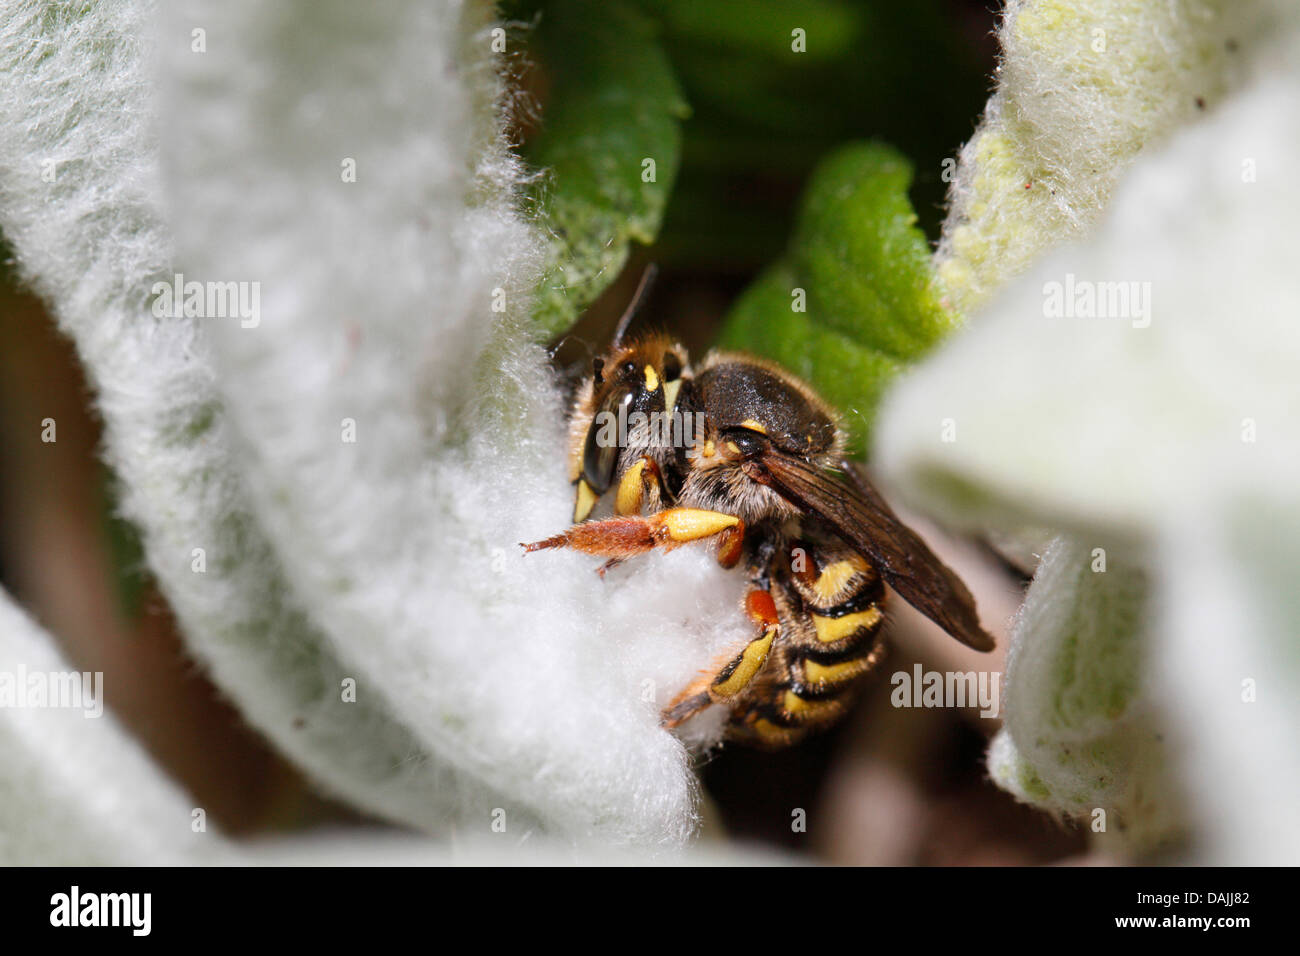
x: 613, y: 104
x: 766, y: 29
x: 872, y: 303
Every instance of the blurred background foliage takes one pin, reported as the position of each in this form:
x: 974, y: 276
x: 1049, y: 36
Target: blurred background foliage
x: 763, y: 115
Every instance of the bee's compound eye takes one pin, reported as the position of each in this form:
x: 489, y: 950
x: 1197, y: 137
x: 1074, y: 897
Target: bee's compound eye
x: 600, y: 453
x: 599, y: 456
x: 747, y: 443
x: 672, y: 367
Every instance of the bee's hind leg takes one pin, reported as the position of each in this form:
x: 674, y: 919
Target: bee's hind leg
x: 732, y: 673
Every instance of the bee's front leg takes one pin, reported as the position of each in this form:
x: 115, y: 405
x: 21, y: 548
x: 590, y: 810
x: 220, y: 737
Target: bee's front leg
x: 643, y: 484
x: 629, y: 535
x: 729, y: 675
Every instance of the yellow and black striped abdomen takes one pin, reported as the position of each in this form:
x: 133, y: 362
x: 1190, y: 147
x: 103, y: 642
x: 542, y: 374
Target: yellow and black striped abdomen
x: 831, y: 611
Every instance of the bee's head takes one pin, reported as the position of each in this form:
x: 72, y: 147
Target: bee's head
x: 613, y: 417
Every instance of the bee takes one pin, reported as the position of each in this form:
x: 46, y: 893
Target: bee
x: 740, y: 452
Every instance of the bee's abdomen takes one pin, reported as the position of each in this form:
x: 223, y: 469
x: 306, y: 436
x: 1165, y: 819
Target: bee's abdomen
x: 831, y: 621
x: 833, y: 582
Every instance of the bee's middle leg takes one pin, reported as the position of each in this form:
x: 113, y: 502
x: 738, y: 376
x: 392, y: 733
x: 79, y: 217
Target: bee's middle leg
x: 729, y: 675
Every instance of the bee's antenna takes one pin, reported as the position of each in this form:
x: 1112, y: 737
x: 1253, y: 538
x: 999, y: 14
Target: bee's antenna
x: 638, y: 299
x: 555, y: 349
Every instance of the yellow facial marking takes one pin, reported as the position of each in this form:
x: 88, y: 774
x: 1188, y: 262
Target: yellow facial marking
x: 831, y: 629
x: 651, y: 379
x: 733, y: 448
x: 751, y: 659
x: 753, y: 426
x: 833, y: 578
x: 814, y: 673
x: 630, y: 490
x: 710, y: 449
x: 585, y: 501
x: 687, y: 524
x: 670, y: 395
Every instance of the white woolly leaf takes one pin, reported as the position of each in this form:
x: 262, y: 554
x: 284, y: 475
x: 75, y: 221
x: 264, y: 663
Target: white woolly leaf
x: 1083, y: 87
x: 532, y: 677
x: 1081, y: 734
x: 80, y: 92
x: 1226, y: 660
x: 75, y: 790
x: 1167, y: 425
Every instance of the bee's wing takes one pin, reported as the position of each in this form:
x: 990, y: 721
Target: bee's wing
x: 862, y: 518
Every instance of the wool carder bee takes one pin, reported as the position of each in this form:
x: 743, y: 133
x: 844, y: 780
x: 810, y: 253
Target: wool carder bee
x: 743, y: 453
